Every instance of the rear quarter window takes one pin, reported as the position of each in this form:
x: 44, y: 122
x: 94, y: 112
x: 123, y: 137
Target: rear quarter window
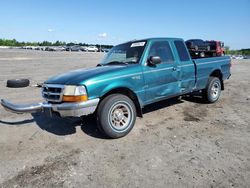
x: 181, y: 50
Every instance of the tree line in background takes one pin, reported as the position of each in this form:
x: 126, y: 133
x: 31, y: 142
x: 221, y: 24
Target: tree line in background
x: 14, y: 42
x: 237, y: 52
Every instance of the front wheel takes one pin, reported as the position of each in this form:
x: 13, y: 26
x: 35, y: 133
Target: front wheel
x: 116, y: 115
x: 213, y: 90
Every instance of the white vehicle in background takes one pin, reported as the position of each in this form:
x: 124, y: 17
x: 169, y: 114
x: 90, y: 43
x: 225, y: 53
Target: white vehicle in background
x: 4, y: 47
x: 239, y: 57
x: 91, y: 49
x: 83, y: 48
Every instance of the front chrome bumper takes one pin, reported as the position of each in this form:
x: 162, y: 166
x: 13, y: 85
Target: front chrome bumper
x: 64, y: 109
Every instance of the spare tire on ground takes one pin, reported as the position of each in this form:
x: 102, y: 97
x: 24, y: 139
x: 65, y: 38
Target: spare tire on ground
x: 16, y: 83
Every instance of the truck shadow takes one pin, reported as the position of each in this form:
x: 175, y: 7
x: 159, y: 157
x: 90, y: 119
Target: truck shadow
x: 56, y: 125
x: 195, y: 98
x: 67, y: 126
x: 161, y: 104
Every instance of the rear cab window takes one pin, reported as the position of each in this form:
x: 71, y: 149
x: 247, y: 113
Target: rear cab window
x: 181, y: 50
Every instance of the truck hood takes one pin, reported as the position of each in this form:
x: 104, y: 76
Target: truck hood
x: 76, y: 77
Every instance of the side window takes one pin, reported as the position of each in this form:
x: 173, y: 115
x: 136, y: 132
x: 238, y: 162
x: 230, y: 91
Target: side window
x: 182, y: 51
x: 163, y: 50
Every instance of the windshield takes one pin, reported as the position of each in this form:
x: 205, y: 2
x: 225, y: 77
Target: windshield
x: 127, y: 53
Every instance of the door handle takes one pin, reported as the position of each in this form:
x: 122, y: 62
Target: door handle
x: 174, y: 69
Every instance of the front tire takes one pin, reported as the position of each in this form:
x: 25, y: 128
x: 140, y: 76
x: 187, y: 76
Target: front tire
x: 213, y: 90
x: 116, y: 115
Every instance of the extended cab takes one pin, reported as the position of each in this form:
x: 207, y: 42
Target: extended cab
x: 131, y: 76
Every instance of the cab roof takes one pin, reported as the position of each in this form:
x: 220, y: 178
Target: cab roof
x: 156, y: 38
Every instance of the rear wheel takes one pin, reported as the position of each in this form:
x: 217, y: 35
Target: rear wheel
x: 116, y: 115
x: 213, y: 90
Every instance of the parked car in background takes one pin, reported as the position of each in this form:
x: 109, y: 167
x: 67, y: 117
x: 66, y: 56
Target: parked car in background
x: 28, y: 47
x: 75, y: 48
x: 106, y: 50
x: 42, y: 48
x: 239, y: 57
x: 84, y: 48
x: 55, y: 48
x: 216, y: 48
x: 91, y: 49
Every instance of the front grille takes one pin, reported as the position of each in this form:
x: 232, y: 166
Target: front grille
x: 52, y: 92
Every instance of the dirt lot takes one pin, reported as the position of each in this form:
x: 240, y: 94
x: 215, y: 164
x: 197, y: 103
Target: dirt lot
x: 182, y: 143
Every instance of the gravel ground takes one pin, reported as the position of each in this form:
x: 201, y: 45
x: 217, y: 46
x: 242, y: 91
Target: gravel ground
x: 178, y: 143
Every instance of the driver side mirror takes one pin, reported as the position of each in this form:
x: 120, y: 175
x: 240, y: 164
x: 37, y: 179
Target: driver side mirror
x: 154, y: 60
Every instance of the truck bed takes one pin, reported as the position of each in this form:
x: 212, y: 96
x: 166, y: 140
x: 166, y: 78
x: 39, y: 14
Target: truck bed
x: 205, y: 66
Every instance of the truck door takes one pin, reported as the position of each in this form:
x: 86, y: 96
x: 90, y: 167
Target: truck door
x: 161, y: 80
x: 186, y: 65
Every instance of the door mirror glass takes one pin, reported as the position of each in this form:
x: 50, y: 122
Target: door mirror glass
x: 154, y: 60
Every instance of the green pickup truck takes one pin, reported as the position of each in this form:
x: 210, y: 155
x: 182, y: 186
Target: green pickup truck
x: 131, y: 76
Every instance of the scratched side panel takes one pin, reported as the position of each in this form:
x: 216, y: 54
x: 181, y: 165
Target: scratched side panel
x: 187, y: 70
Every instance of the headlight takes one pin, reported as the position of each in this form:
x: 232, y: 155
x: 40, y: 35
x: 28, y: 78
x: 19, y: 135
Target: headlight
x: 75, y: 94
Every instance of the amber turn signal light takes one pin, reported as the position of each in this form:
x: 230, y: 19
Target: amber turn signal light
x: 80, y: 98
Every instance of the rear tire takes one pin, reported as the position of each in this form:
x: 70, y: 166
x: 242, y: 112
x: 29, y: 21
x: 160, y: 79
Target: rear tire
x: 213, y: 90
x: 116, y: 115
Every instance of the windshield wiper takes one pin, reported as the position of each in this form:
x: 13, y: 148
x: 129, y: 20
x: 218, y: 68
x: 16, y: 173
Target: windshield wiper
x: 131, y: 62
x: 116, y: 63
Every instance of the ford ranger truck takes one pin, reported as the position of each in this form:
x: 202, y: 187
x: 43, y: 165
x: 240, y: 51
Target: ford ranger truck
x: 131, y: 76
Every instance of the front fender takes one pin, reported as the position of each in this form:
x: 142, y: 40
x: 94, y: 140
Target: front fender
x: 132, y: 83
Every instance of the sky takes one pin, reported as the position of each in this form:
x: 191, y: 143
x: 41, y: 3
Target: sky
x: 117, y: 21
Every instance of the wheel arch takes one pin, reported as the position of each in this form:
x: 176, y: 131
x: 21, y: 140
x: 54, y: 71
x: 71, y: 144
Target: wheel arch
x: 129, y: 93
x: 217, y: 73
